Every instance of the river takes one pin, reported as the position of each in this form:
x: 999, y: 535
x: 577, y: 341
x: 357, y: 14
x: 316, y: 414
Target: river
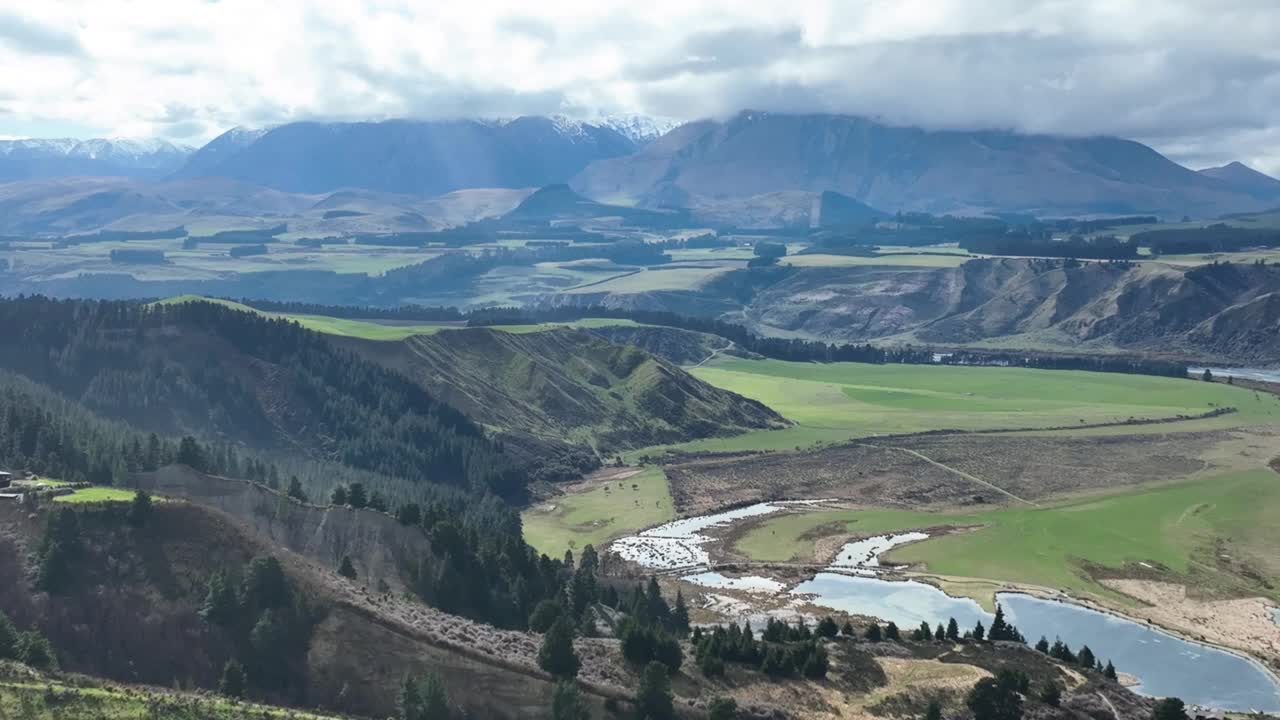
x: 1165, y: 665
x: 1242, y: 373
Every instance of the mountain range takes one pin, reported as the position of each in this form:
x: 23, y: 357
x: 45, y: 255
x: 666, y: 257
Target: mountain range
x: 907, y: 168
x: 136, y: 158
x: 753, y: 168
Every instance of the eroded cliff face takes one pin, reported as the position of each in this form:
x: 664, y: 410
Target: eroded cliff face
x: 379, y: 546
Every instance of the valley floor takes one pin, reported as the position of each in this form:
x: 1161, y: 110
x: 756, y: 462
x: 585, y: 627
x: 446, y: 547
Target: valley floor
x: 1169, y: 520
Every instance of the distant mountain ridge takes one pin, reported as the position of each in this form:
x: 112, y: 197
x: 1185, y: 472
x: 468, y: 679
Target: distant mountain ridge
x: 1246, y: 179
x: 35, y: 159
x: 424, y: 157
x: 907, y: 168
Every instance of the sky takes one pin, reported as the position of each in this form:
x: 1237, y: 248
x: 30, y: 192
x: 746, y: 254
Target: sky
x: 1197, y: 79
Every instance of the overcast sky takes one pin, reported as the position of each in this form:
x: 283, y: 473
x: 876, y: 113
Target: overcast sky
x: 1199, y: 80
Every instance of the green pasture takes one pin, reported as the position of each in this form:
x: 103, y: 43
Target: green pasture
x: 839, y: 401
x: 1172, y: 526
x: 600, y: 514
x: 371, y: 330
x: 912, y: 260
x: 96, y: 495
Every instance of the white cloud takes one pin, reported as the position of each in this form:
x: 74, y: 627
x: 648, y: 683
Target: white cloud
x: 1198, y: 80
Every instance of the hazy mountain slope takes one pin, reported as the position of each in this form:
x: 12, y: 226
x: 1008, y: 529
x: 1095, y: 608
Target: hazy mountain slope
x: 420, y: 157
x: 1223, y: 311
x: 896, y: 168
x: 569, y: 385
x: 123, y: 157
x: 1245, y: 179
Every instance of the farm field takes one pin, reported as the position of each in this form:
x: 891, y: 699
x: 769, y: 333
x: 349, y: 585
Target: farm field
x: 96, y: 495
x: 1183, y: 530
x: 373, y: 330
x: 840, y: 401
x: 913, y: 260
x: 609, y: 510
x: 659, y: 278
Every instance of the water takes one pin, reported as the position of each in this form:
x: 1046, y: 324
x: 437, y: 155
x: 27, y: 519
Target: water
x: 1164, y: 664
x: 906, y: 603
x: 1243, y: 373
x: 747, y: 583
x: 864, y: 555
x: 678, y: 544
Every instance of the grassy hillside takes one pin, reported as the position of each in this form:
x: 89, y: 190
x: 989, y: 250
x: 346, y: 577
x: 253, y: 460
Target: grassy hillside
x: 599, y: 513
x: 33, y: 696
x: 839, y: 401
x: 568, y: 385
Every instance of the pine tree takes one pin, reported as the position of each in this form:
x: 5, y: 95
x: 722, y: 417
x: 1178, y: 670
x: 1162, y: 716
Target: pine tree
x: 544, y: 614
x: 435, y: 700
x: 1169, y: 709
x: 557, y: 655
x: 872, y: 633
x: 8, y: 638
x: 722, y: 708
x: 827, y: 627
x: 139, y: 509
x: 1085, y: 658
x: 940, y: 634
x: 232, y: 683
x: 653, y: 699
x: 847, y: 629
x: 979, y: 632
x: 891, y: 632
x: 295, y: 489
x: 34, y: 650
x: 933, y: 711
x: 953, y: 630
x: 410, y: 699
x: 220, y: 601
x: 338, y: 497
x: 356, y: 496
x: 1043, y: 645
x: 346, y: 569
x: 679, y: 615
x: 566, y: 704
x: 1051, y: 695
x: 1110, y: 671
x: 54, y: 574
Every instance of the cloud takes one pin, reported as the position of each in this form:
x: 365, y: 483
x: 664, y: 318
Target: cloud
x: 1200, y: 81
x: 35, y: 38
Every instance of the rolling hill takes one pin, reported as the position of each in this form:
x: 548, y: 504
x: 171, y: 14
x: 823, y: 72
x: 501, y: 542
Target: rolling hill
x: 905, y: 168
x: 567, y: 385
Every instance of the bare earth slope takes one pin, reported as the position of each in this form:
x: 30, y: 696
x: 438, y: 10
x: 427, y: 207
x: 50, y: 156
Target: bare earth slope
x: 1227, y: 311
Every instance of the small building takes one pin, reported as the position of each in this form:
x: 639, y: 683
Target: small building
x: 6, y: 479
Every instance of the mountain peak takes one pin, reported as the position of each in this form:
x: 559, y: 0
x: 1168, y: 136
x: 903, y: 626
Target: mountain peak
x: 1243, y: 178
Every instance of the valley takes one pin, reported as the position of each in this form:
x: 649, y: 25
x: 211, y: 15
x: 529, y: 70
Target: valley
x: 771, y: 416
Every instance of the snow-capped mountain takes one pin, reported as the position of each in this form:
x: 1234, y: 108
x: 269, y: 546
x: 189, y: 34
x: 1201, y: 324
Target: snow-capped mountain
x: 32, y: 159
x: 642, y: 129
